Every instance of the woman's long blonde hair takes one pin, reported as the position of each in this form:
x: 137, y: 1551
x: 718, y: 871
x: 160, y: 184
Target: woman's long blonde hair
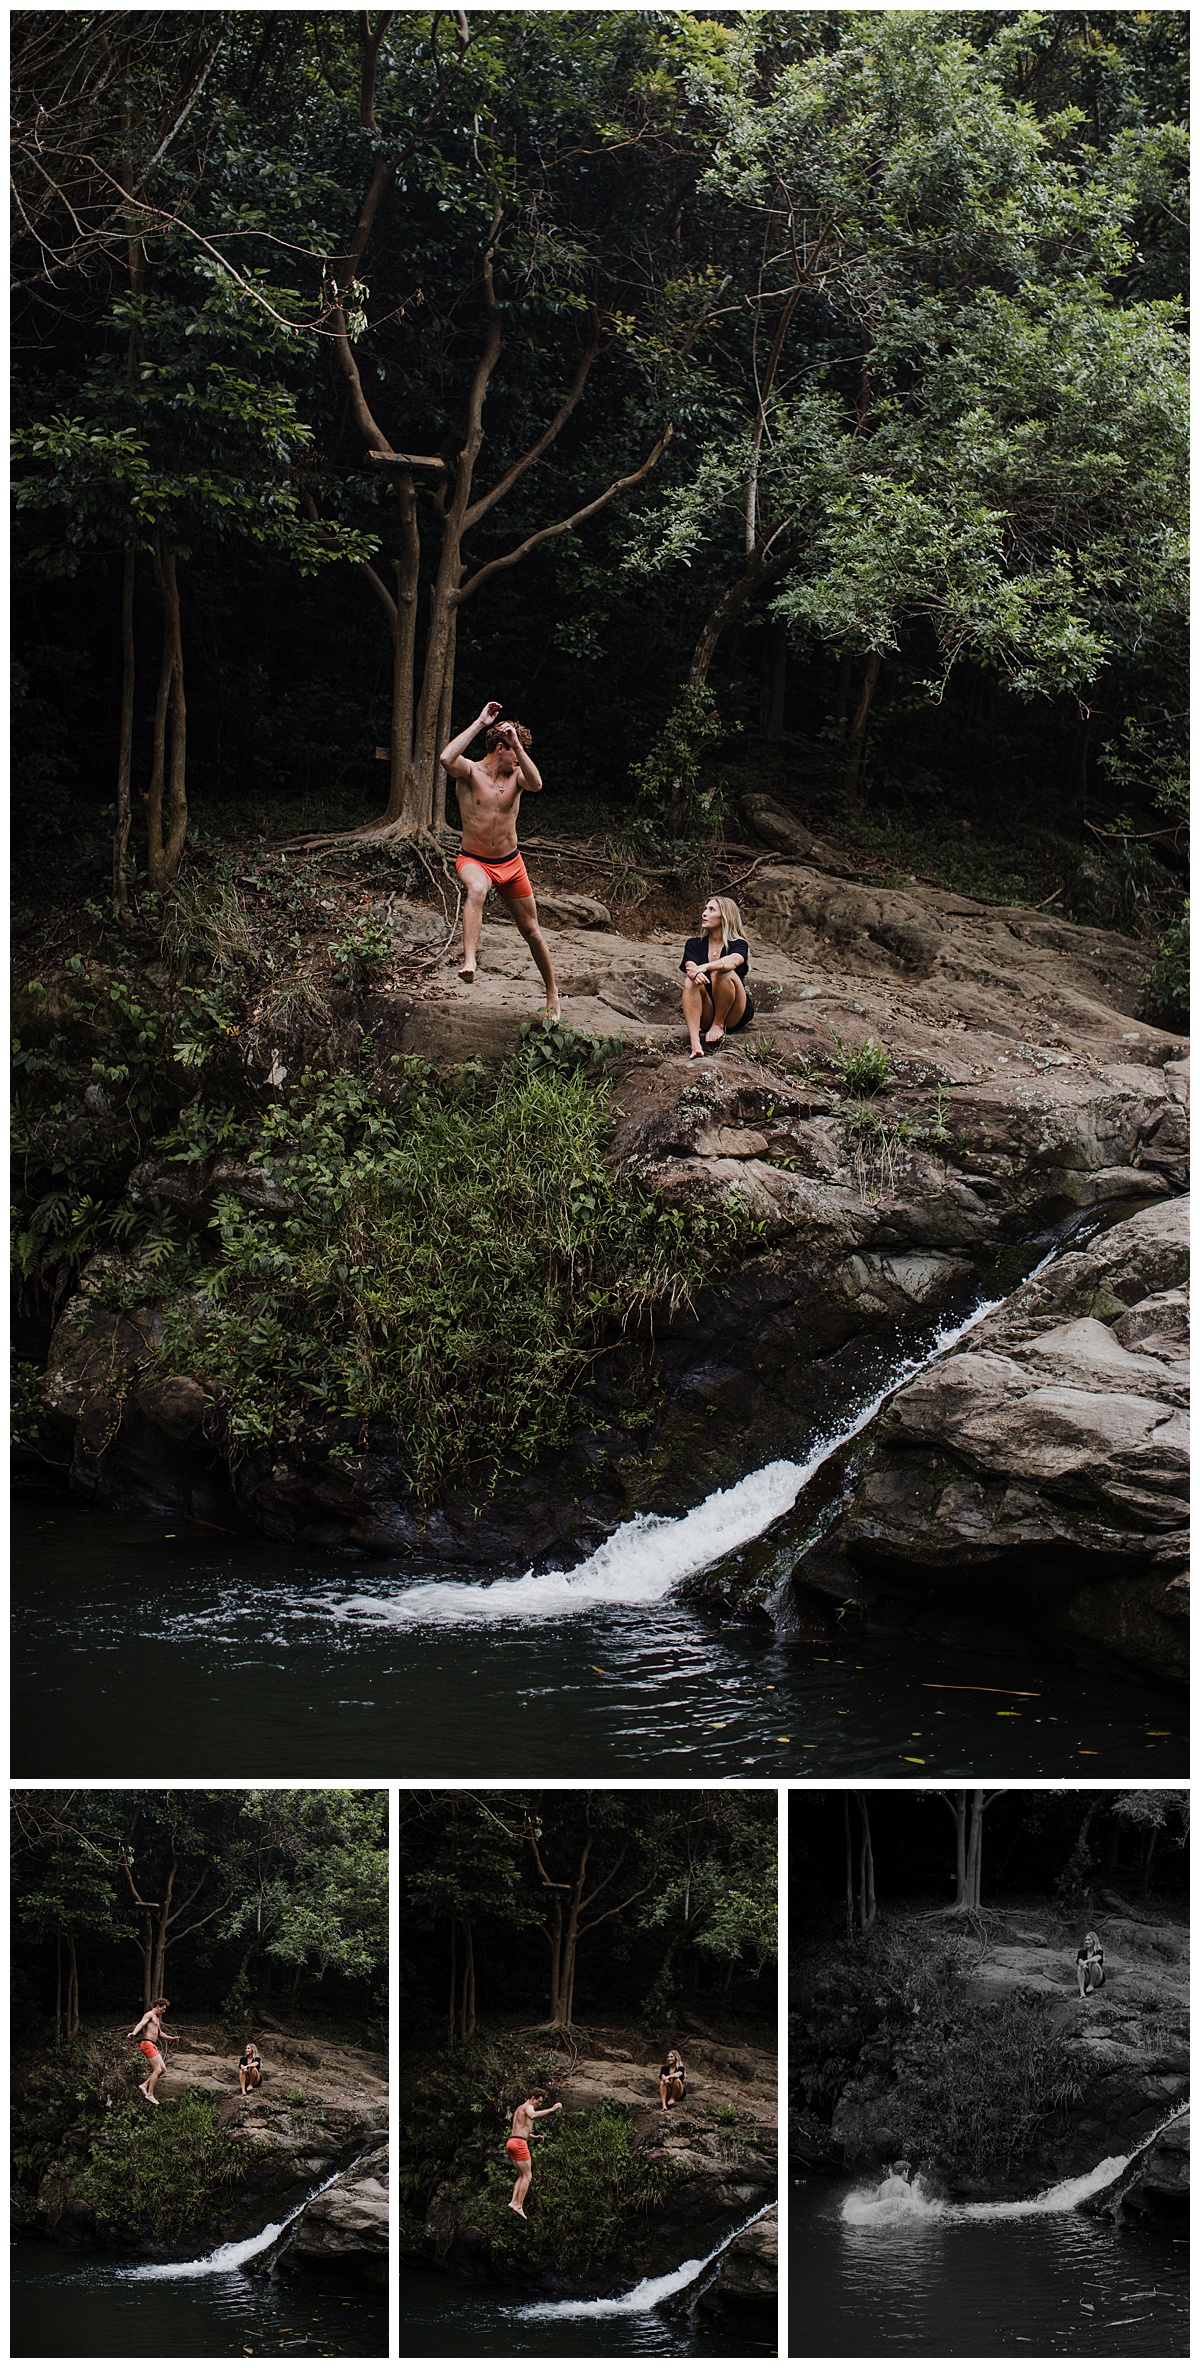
x: 731, y: 919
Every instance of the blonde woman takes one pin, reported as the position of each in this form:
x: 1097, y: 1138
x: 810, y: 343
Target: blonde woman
x: 714, y: 969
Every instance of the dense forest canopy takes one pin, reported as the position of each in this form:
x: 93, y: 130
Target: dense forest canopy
x: 369, y: 363
x: 228, y: 1901
x: 551, y: 1907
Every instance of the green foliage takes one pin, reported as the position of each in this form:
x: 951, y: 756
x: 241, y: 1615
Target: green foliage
x: 159, y: 2171
x: 364, y: 954
x: 669, y: 781
x: 864, y: 1068
x: 590, y: 2181
x: 447, y: 1263
x: 976, y: 2085
x: 1167, y: 983
x: 563, y: 1050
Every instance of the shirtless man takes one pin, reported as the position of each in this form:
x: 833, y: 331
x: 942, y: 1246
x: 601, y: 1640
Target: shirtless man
x: 517, y: 2148
x: 151, y: 2026
x: 489, y: 798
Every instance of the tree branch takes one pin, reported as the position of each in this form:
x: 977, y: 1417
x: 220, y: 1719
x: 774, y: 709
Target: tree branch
x: 487, y: 501
x: 547, y: 534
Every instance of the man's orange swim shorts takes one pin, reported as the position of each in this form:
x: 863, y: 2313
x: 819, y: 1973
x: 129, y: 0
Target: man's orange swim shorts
x: 518, y: 2150
x: 508, y: 876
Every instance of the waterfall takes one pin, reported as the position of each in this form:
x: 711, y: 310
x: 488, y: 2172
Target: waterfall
x: 232, y: 2256
x: 649, y: 1554
x: 645, y: 2296
x: 866, y: 2208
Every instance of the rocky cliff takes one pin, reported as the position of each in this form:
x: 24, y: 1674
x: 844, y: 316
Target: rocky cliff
x: 678, y: 2181
x: 1020, y: 1089
x: 1127, y: 2046
x: 320, y: 2115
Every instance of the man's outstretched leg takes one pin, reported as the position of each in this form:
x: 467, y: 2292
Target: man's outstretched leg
x: 524, y: 913
x: 521, y: 2190
x: 475, y: 891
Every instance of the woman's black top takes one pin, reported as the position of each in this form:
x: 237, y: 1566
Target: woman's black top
x: 696, y: 950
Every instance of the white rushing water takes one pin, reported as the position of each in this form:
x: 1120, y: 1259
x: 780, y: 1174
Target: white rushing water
x: 232, y: 2256
x: 644, y: 2296
x: 867, y: 2208
x: 650, y: 1554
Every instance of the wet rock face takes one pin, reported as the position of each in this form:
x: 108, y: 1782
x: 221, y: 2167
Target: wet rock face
x: 1047, y: 1455
x: 1157, y: 2184
x: 748, y: 2271
x: 345, y: 2227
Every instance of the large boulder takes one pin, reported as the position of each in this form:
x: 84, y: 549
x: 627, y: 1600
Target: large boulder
x: 345, y: 2226
x: 748, y: 2270
x: 1047, y: 1456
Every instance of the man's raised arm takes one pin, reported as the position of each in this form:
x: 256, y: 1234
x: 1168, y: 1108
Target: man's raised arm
x: 451, y: 757
x: 530, y: 776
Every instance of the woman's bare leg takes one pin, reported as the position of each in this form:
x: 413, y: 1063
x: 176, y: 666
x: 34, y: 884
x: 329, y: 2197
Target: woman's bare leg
x: 729, y: 1002
x: 697, y: 1008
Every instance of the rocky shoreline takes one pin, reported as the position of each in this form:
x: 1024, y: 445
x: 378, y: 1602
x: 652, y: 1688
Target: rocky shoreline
x: 320, y: 2116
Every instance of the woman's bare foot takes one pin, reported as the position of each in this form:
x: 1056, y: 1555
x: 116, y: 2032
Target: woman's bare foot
x: 696, y: 1053
x: 553, y: 1020
x: 467, y: 974
x: 715, y: 1036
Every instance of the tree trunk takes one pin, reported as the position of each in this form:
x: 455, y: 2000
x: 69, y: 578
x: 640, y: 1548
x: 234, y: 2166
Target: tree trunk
x: 72, y: 1989
x: 849, y: 1867
x: 843, y: 694
x: 866, y: 1868
x: 165, y: 850
x: 467, y: 2021
x: 58, y: 1989
x: 775, y: 655
x: 445, y: 727
x: 125, y: 750
x: 453, y: 1974
x: 975, y: 1851
x: 858, y: 729
x: 404, y: 646
x: 957, y: 1805
x: 554, y: 1940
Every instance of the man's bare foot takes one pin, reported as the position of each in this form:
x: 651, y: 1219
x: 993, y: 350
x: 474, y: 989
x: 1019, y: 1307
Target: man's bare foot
x: 517, y: 2209
x: 467, y: 974
x: 553, y: 1016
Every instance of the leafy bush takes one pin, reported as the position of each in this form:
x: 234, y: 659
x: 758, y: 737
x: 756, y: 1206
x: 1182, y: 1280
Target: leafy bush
x: 162, y: 2171
x: 1167, y: 983
x: 444, y: 1262
x: 977, y: 2080
x: 589, y: 2180
x: 364, y: 953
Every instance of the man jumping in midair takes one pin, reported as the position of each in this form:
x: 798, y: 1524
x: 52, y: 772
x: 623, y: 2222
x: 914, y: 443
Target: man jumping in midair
x: 489, y: 798
x: 517, y: 2148
x: 152, y: 2025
